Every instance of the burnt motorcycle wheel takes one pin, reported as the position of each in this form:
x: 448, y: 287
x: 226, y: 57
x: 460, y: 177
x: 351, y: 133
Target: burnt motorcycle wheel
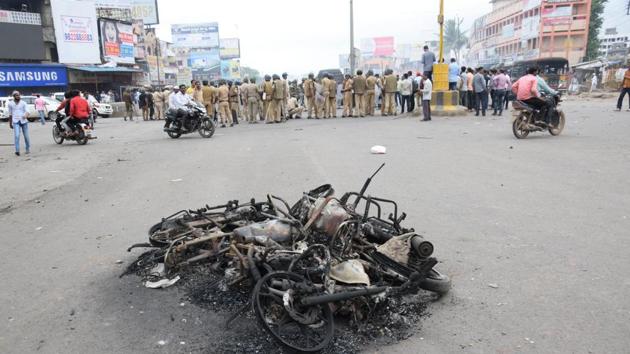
x: 82, y: 139
x: 555, y: 131
x: 206, y: 129
x: 57, y: 135
x: 436, y: 282
x: 519, y: 127
x: 177, y: 126
x: 299, y: 328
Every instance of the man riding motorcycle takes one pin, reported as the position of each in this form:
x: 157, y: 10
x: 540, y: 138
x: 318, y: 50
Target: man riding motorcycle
x: 527, y: 90
x: 178, y: 101
x: 79, y: 111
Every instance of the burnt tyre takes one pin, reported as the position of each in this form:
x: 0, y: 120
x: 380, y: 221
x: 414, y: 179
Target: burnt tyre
x: 558, y: 121
x: 206, y: 129
x: 436, y: 282
x: 519, y: 127
x: 56, y: 134
x: 276, y: 303
x: 176, y: 128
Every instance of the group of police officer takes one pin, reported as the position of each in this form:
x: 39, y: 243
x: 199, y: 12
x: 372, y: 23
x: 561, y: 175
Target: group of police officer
x: 276, y: 99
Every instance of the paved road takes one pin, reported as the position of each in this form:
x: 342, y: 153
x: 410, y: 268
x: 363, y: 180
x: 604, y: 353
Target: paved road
x: 546, y: 220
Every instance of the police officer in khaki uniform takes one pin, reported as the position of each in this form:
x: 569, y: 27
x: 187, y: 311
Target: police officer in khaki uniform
x: 158, y: 104
x: 208, y: 97
x: 370, y: 91
x: 325, y: 93
x: 267, y: 98
x: 359, y: 87
x: 278, y: 96
x: 286, y: 95
x: 233, y: 95
x: 309, y: 93
x: 223, y: 96
x: 332, y: 96
x: 347, y: 96
x: 250, y: 91
x: 390, y: 86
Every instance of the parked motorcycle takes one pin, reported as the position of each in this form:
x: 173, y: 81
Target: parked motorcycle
x: 83, y: 134
x: 528, y: 119
x: 185, y: 121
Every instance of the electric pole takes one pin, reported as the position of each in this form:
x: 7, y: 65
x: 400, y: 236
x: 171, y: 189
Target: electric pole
x: 351, y: 39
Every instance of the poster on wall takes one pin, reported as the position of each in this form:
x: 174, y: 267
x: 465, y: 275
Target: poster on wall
x: 145, y: 10
x: 204, y: 58
x: 138, y: 39
x: 197, y: 35
x: 76, y: 31
x: 117, y: 41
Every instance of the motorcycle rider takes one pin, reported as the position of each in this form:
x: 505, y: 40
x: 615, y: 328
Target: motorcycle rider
x: 526, y: 90
x: 79, y: 111
x: 178, y: 102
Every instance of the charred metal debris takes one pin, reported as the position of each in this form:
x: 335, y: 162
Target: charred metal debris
x: 301, y: 265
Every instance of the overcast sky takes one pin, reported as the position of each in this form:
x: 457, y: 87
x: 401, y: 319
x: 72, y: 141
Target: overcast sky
x: 299, y: 36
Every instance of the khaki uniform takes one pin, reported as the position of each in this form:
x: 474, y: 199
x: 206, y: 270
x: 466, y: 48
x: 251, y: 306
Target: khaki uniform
x: 158, y: 104
x: 223, y: 93
x: 165, y: 95
x: 325, y: 86
x: 370, y: 92
x: 359, y: 86
x: 208, y: 99
x: 286, y: 98
x: 268, y: 92
x: 198, y: 95
x: 234, y: 104
x: 332, y: 98
x: 278, y: 98
x: 309, y: 93
x: 390, y: 86
x: 293, y: 107
x: 250, y: 91
x: 347, y: 98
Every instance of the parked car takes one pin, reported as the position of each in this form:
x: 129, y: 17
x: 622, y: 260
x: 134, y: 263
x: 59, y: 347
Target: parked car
x: 51, y: 105
x: 102, y: 109
x: 336, y: 74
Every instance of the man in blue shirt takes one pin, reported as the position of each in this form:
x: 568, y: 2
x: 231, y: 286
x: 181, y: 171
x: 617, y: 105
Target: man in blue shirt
x: 453, y: 75
x: 428, y: 58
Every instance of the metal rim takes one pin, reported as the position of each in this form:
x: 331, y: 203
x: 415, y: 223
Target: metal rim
x: 305, y: 329
x: 206, y: 129
x: 518, y: 127
x: 558, y: 129
x: 57, y: 135
x: 175, y: 125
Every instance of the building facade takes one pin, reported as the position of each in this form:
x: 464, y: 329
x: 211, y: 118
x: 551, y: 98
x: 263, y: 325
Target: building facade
x: 615, y: 32
x: 518, y: 30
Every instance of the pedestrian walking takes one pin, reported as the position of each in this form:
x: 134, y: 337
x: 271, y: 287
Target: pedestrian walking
x: 18, y: 121
x: 128, y: 99
x: 406, y: 87
x: 481, y: 93
x: 142, y: 103
x: 40, y: 107
x: 158, y: 104
x: 427, y: 91
x: 501, y: 84
x: 593, y: 82
x: 625, y: 88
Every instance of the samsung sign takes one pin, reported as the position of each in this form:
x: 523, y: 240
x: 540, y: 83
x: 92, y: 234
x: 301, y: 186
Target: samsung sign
x: 32, y: 75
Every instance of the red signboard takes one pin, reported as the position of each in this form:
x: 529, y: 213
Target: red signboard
x: 383, y: 46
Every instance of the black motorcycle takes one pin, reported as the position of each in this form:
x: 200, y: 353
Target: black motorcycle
x: 529, y: 119
x: 185, y: 121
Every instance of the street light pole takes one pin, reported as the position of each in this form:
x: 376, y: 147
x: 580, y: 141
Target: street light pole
x: 351, y: 38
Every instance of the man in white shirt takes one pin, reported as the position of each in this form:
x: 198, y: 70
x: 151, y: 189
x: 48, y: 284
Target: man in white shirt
x: 18, y: 120
x: 427, y: 91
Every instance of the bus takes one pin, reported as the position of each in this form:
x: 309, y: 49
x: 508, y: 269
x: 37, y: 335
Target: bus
x: 555, y: 71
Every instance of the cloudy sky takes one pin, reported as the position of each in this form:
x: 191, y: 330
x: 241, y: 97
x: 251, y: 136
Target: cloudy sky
x: 299, y: 36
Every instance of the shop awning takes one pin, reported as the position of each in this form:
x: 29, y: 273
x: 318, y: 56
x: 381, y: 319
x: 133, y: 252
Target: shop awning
x: 101, y: 69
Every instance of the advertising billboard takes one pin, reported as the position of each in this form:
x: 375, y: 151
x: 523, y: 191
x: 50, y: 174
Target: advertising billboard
x: 198, y: 35
x: 138, y: 39
x: 117, y: 41
x: 204, y: 58
x: 32, y: 75
x: 377, y: 46
x: 76, y: 31
x: 231, y: 69
x: 145, y: 10
x: 230, y: 48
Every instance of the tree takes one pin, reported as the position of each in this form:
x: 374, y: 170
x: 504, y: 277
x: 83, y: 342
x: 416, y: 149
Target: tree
x: 592, y: 45
x: 251, y: 73
x: 454, y: 38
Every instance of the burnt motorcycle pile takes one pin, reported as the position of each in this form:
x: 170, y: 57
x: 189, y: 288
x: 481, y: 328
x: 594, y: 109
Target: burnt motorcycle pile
x: 304, y: 262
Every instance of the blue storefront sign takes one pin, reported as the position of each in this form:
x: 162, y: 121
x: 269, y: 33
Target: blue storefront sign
x: 32, y: 75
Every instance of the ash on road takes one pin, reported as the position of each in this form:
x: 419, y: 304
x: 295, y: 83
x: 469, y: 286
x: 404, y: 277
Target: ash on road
x: 533, y: 233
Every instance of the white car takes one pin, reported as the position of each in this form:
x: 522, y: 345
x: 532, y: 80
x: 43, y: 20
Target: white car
x: 103, y: 109
x: 33, y: 115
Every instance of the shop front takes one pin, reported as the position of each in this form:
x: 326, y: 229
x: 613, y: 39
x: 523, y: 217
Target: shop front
x: 32, y: 78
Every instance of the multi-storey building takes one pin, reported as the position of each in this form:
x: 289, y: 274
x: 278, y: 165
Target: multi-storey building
x: 615, y: 32
x: 518, y: 30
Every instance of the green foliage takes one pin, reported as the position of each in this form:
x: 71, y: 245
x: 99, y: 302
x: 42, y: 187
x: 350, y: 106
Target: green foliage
x: 454, y: 38
x: 592, y: 46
